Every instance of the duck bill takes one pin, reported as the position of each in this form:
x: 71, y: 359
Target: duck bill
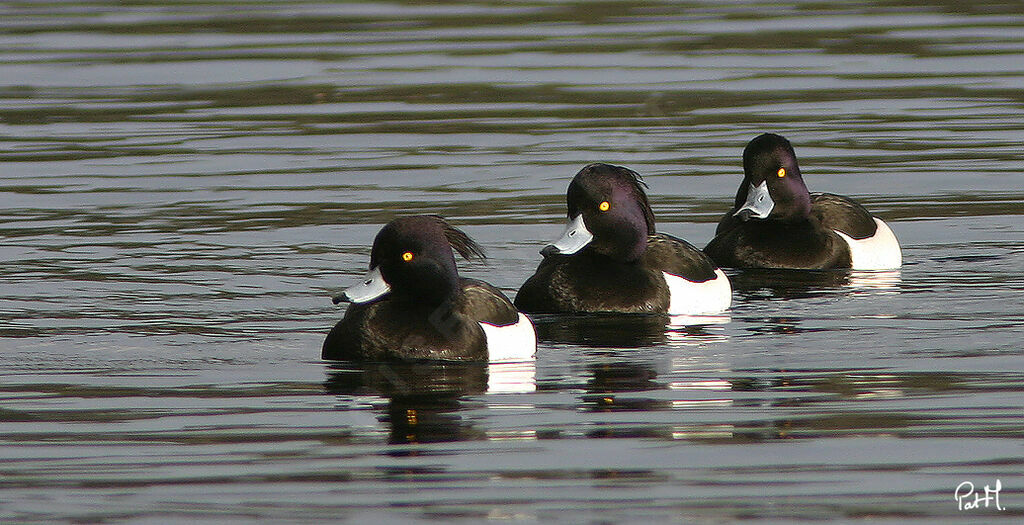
x: 759, y: 203
x: 371, y: 287
x: 576, y: 237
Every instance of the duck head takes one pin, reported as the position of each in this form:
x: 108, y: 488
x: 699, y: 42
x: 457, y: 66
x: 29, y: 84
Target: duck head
x: 772, y: 186
x: 608, y: 214
x: 412, y: 258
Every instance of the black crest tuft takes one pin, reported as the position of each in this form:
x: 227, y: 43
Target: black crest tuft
x: 639, y: 186
x: 461, y: 243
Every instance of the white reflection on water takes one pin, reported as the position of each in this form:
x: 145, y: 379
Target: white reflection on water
x: 875, y: 281
x: 695, y: 330
x: 512, y: 378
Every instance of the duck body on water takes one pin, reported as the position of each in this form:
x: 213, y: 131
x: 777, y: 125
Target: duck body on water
x: 413, y: 304
x: 776, y: 223
x: 610, y: 259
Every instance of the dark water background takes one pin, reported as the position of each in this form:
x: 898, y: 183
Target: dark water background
x: 183, y: 185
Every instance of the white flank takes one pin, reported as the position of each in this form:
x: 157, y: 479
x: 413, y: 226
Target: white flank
x: 690, y: 298
x: 514, y: 342
x: 881, y: 251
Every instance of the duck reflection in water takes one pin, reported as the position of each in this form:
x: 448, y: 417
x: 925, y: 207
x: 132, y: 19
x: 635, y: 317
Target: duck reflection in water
x: 629, y: 330
x: 622, y: 386
x: 757, y: 283
x: 425, y: 397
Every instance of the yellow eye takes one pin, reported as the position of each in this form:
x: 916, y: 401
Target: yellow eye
x: 604, y: 206
x: 781, y: 172
x: 407, y: 256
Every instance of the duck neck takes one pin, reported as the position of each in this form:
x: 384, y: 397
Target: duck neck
x: 626, y: 245
x: 430, y: 286
x: 796, y: 207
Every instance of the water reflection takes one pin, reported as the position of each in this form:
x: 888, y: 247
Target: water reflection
x: 512, y: 378
x: 424, y: 398
x: 782, y: 326
x: 875, y: 281
x: 407, y: 379
x: 622, y: 376
x: 766, y: 405
x: 630, y: 330
x: 802, y: 284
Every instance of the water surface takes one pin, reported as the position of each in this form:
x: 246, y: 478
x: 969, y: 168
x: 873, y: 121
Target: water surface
x: 183, y: 186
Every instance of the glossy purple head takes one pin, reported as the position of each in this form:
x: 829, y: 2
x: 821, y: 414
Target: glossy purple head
x: 608, y: 214
x: 772, y: 185
x: 412, y: 258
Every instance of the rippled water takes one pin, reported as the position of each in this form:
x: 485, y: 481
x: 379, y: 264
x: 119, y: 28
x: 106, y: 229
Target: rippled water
x: 182, y: 186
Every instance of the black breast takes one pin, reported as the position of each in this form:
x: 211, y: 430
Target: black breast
x: 401, y: 330
x: 775, y: 244
x: 588, y: 282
